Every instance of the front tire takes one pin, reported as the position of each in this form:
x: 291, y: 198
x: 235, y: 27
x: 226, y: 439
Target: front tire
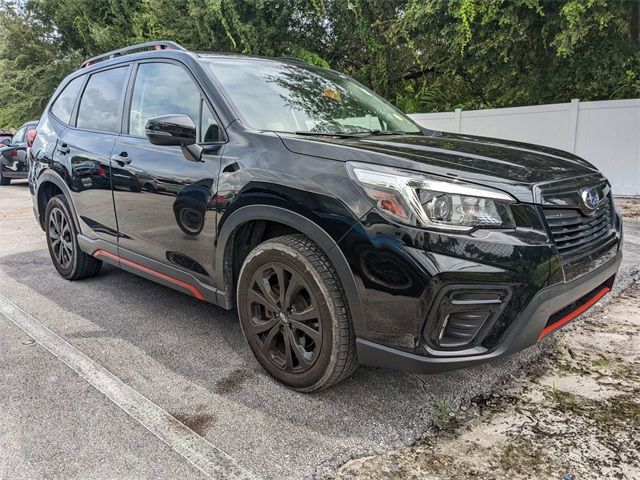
x: 295, y: 315
x: 69, y: 260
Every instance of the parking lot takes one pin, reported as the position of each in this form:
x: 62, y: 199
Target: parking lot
x: 175, y: 359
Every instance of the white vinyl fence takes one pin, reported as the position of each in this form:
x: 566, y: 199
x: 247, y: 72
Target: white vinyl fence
x: 606, y: 133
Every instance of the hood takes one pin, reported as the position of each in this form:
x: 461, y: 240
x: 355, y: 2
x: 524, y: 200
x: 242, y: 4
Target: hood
x: 511, y: 166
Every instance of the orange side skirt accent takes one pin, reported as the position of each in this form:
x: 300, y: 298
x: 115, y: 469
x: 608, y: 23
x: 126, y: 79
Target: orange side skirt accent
x: 193, y: 290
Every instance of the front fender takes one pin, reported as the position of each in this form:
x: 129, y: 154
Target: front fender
x: 302, y: 224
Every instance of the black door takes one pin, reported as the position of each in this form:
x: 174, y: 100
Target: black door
x: 169, y: 215
x: 85, y: 151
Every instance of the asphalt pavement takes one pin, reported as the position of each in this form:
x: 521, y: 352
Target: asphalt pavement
x: 151, y: 358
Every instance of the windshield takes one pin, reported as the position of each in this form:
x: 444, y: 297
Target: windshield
x: 305, y: 99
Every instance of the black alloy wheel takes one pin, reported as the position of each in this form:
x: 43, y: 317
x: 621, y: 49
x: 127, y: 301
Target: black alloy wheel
x: 285, y: 317
x: 71, y: 262
x: 295, y: 315
x: 59, y: 233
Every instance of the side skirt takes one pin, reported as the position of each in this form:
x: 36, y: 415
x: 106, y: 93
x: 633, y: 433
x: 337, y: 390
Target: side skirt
x: 151, y: 269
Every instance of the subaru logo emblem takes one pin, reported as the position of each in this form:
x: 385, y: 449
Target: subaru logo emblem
x: 590, y: 198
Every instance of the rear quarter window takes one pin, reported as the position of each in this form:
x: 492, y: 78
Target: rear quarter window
x: 63, y: 105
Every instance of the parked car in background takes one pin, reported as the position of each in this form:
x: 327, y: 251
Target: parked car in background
x: 13, y: 153
x: 341, y: 230
x: 5, y: 138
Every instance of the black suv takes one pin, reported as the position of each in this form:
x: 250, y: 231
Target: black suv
x: 342, y: 231
x: 13, y: 153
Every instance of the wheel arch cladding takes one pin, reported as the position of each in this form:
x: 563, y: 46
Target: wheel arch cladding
x: 293, y: 223
x: 50, y: 185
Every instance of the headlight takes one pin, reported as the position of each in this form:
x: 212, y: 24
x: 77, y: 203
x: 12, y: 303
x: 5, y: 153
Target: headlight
x: 432, y: 202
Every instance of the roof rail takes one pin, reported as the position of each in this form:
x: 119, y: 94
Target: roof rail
x: 159, y: 45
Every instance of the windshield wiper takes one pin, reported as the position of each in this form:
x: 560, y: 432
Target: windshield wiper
x: 391, y: 132
x: 331, y: 134
x: 362, y: 133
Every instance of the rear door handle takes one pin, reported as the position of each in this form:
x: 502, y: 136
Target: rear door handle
x: 64, y: 149
x: 121, y: 159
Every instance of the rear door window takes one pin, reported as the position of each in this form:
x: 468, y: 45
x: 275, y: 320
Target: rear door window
x: 63, y: 106
x: 100, y: 103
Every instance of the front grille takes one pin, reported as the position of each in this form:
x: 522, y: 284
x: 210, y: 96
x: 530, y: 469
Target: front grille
x: 566, y: 192
x: 577, y: 235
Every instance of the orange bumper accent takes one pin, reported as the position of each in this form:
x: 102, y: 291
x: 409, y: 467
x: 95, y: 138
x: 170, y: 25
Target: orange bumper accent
x: 573, y: 314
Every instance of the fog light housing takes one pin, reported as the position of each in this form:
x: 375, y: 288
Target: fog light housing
x: 460, y: 328
x: 462, y: 315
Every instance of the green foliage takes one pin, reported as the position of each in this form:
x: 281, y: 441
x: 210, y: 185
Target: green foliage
x: 311, y: 57
x: 424, y: 55
x: 31, y: 65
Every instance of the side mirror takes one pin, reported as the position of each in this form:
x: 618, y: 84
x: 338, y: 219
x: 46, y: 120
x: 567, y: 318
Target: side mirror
x: 176, y: 129
x: 6, y: 142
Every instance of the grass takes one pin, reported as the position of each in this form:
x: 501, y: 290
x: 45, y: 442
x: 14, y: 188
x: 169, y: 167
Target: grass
x: 442, y: 410
x: 621, y: 410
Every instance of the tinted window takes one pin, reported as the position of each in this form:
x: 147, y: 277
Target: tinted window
x: 162, y: 89
x: 63, y: 106
x: 101, y: 101
x: 19, y: 136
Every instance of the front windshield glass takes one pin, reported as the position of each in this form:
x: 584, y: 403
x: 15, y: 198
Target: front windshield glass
x: 286, y: 97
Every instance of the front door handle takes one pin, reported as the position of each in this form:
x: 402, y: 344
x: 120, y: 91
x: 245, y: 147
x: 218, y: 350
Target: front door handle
x: 121, y: 159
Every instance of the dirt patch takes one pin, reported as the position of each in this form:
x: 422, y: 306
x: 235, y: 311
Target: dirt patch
x: 199, y: 423
x: 233, y: 382
x: 573, y: 415
x: 628, y: 207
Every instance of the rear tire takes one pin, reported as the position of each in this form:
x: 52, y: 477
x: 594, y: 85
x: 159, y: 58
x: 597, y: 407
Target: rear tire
x: 69, y: 260
x: 295, y: 315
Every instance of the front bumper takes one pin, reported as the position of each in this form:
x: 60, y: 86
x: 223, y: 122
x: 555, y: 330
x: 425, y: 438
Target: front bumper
x: 523, y: 332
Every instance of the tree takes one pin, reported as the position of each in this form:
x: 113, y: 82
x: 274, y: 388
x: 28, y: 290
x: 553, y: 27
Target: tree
x: 424, y: 55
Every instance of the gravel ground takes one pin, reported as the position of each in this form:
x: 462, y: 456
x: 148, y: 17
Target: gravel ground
x: 572, y: 414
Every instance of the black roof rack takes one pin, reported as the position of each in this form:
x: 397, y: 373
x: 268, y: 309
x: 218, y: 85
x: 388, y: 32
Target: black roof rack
x: 159, y: 45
